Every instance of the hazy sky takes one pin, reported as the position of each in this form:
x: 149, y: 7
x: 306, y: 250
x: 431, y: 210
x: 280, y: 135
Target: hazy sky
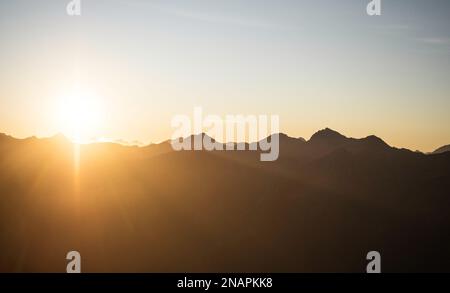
x: 316, y: 63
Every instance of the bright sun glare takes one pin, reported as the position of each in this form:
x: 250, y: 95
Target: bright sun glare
x: 80, y: 116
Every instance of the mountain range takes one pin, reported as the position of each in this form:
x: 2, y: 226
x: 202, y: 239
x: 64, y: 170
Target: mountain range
x: 443, y: 149
x: 321, y: 207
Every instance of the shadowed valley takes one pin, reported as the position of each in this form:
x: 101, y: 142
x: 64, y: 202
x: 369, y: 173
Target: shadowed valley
x: 320, y: 207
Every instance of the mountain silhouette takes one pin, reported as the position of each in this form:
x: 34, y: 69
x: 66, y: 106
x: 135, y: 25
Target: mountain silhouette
x: 328, y: 136
x: 442, y: 149
x: 321, y: 207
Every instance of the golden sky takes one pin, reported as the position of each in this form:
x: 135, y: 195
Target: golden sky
x: 123, y: 69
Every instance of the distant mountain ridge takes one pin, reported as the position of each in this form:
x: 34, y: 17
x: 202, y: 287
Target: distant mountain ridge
x: 442, y: 149
x: 325, y: 136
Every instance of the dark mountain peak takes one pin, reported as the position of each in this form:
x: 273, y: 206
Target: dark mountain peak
x: 443, y: 149
x: 282, y: 135
x: 375, y: 141
x: 193, y: 139
x: 327, y: 135
x: 202, y: 136
x: 194, y: 136
x: 284, y: 138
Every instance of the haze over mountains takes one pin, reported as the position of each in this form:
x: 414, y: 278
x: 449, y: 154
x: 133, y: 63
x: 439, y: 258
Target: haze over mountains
x: 320, y: 207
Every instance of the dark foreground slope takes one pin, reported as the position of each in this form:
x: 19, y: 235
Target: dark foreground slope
x: 321, y: 207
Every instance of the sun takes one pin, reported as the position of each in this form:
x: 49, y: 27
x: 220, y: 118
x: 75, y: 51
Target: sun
x: 80, y: 116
